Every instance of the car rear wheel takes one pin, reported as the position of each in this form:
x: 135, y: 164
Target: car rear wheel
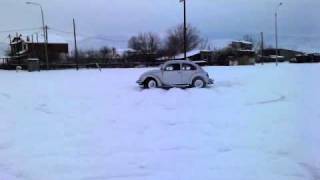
x: 151, y: 84
x: 199, y: 83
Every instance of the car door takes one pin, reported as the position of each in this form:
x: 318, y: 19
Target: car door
x: 171, y: 74
x: 187, y: 72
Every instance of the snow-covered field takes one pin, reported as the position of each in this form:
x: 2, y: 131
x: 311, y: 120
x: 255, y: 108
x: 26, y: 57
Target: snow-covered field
x: 256, y: 123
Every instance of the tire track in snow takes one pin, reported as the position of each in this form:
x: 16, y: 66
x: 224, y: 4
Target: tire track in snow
x: 124, y: 176
x: 4, y: 146
x: 313, y: 171
x: 5, y: 95
x: 271, y: 101
x: 178, y: 148
x: 43, y: 108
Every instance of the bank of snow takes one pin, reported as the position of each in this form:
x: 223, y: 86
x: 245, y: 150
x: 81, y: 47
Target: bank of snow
x: 257, y: 122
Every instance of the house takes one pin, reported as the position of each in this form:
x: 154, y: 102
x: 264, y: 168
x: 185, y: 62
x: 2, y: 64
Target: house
x: 269, y: 55
x: 306, y: 58
x: 138, y: 56
x: 24, y: 48
x: 201, y: 57
x: 244, y: 53
x: 241, y: 45
x: 236, y: 53
x: 315, y: 57
x: 195, y: 55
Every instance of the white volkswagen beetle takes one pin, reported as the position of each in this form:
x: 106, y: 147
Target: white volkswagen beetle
x: 177, y: 73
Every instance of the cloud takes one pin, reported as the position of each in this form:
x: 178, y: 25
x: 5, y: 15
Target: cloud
x: 216, y: 19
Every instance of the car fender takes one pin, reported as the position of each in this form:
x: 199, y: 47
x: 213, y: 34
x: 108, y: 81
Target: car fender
x: 154, y: 77
x: 198, y: 75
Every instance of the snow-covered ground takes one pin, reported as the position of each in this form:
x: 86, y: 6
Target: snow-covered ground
x: 256, y: 123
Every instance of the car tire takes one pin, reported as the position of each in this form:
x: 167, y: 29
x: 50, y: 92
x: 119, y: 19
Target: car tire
x: 199, y: 83
x: 150, y: 84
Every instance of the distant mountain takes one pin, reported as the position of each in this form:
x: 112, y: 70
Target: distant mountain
x: 84, y: 43
x: 96, y: 42
x: 304, y: 44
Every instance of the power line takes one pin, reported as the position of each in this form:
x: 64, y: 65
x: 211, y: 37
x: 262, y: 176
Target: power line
x: 61, y: 31
x: 19, y: 30
x: 87, y: 36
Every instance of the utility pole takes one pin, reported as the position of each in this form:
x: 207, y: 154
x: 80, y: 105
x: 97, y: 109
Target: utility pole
x: 262, y: 48
x: 276, y: 31
x: 45, y: 32
x: 11, y: 50
x: 10, y: 38
x: 75, y: 44
x: 46, y: 47
x: 185, y: 28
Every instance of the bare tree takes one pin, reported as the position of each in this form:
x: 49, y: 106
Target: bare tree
x: 255, y: 42
x: 92, y: 53
x: 205, y: 44
x: 113, y: 51
x: 248, y: 38
x: 145, y: 43
x: 105, y: 51
x: 174, y: 43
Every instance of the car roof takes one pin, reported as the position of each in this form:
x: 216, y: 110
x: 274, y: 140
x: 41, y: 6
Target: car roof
x: 181, y: 61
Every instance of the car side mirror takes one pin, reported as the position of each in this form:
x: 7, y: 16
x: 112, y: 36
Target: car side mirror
x: 162, y: 68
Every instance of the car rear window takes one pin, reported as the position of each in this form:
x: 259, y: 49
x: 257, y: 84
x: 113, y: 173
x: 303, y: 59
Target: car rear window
x: 173, y: 67
x: 188, y: 67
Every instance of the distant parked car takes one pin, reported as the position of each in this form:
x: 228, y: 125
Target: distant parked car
x: 177, y: 73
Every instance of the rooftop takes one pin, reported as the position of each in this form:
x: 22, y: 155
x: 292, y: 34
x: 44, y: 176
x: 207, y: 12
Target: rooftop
x: 191, y: 53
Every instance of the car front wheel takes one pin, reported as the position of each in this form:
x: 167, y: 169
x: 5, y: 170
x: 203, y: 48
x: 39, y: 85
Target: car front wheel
x: 199, y: 83
x: 151, y: 84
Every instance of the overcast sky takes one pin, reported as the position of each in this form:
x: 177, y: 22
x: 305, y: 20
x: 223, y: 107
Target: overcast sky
x: 117, y: 20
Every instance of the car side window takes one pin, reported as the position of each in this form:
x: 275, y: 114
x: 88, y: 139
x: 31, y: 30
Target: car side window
x: 188, y: 67
x: 172, y: 67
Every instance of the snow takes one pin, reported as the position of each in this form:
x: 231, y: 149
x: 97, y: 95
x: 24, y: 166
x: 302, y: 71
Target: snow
x: 246, y: 50
x: 244, y: 42
x: 22, y: 52
x: 15, y: 42
x: 219, y: 44
x: 190, y: 53
x: 275, y: 56
x: 257, y: 122
x: 122, y: 51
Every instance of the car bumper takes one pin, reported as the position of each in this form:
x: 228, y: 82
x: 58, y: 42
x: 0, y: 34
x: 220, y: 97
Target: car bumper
x: 211, y: 81
x: 140, y: 82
